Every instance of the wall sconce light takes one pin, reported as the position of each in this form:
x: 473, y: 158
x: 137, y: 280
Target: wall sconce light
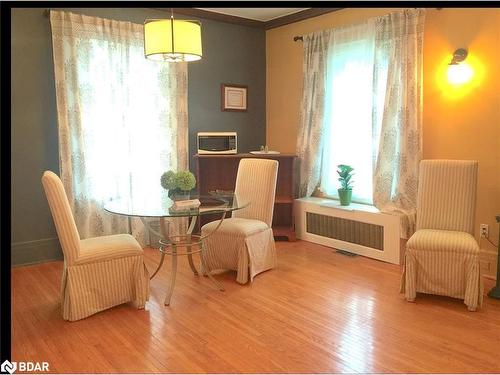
x: 172, y: 40
x: 459, y: 72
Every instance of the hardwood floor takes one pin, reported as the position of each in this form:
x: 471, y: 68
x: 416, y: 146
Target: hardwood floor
x: 318, y: 312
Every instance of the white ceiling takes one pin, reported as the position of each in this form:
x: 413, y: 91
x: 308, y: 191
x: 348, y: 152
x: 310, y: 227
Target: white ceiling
x: 258, y: 14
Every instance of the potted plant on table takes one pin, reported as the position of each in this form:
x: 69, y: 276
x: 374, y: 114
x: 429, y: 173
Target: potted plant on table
x: 345, y: 191
x: 179, y: 184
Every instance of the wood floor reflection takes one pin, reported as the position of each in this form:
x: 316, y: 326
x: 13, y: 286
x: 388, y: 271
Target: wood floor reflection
x: 318, y: 312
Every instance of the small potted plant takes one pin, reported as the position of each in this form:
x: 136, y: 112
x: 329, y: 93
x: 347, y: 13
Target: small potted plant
x: 178, y: 184
x: 345, y: 191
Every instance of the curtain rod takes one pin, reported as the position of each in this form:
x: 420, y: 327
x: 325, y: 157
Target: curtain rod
x: 296, y: 38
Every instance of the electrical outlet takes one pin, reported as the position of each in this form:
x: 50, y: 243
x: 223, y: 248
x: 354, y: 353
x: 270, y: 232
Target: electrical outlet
x: 484, y: 230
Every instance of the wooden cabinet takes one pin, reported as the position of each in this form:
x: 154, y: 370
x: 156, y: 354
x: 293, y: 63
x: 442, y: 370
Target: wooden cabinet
x: 219, y: 172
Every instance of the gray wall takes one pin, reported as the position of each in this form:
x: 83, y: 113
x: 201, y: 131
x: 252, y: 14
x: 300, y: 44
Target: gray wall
x: 231, y: 54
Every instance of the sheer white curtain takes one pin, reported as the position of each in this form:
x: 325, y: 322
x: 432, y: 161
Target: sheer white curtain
x: 311, y: 130
x: 122, y: 119
x: 398, y: 146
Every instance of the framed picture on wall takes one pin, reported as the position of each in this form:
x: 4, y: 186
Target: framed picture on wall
x: 233, y: 97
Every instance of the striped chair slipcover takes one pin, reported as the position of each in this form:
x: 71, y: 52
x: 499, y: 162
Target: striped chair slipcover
x: 442, y: 256
x: 99, y: 272
x: 245, y: 242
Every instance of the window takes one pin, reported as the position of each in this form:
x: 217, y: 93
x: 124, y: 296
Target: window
x: 352, y: 105
x: 127, y: 140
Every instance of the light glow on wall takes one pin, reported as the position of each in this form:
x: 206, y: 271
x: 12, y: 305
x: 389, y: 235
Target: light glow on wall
x: 460, y: 73
x: 456, y: 83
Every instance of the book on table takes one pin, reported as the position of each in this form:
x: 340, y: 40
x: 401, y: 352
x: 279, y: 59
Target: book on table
x: 186, y: 204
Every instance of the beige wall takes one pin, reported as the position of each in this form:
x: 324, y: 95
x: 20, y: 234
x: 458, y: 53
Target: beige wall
x: 457, y: 124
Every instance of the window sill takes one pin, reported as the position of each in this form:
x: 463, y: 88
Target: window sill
x: 334, y: 203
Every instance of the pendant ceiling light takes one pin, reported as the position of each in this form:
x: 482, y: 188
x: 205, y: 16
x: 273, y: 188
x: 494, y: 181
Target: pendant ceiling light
x: 172, y: 40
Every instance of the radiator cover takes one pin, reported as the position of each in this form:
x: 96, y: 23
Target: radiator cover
x: 352, y: 231
x: 358, y: 229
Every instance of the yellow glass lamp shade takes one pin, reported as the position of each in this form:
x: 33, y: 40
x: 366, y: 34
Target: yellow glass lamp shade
x: 172, y: 40
x: 459, y: 73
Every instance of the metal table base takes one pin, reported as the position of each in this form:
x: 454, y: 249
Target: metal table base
x: 169, y: 245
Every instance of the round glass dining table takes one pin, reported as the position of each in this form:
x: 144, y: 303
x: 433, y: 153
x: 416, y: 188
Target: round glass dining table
x: 162, y: 207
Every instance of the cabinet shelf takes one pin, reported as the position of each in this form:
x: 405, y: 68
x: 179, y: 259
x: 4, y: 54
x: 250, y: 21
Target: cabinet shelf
x: 283, y: 200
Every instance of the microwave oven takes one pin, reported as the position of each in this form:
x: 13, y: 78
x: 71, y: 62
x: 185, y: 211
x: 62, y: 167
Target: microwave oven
x: 217, y: 143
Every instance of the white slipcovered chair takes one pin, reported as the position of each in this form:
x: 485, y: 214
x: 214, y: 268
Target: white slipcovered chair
x: 442, y: 256
x: 245, y: 242
x: 99, y: 272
